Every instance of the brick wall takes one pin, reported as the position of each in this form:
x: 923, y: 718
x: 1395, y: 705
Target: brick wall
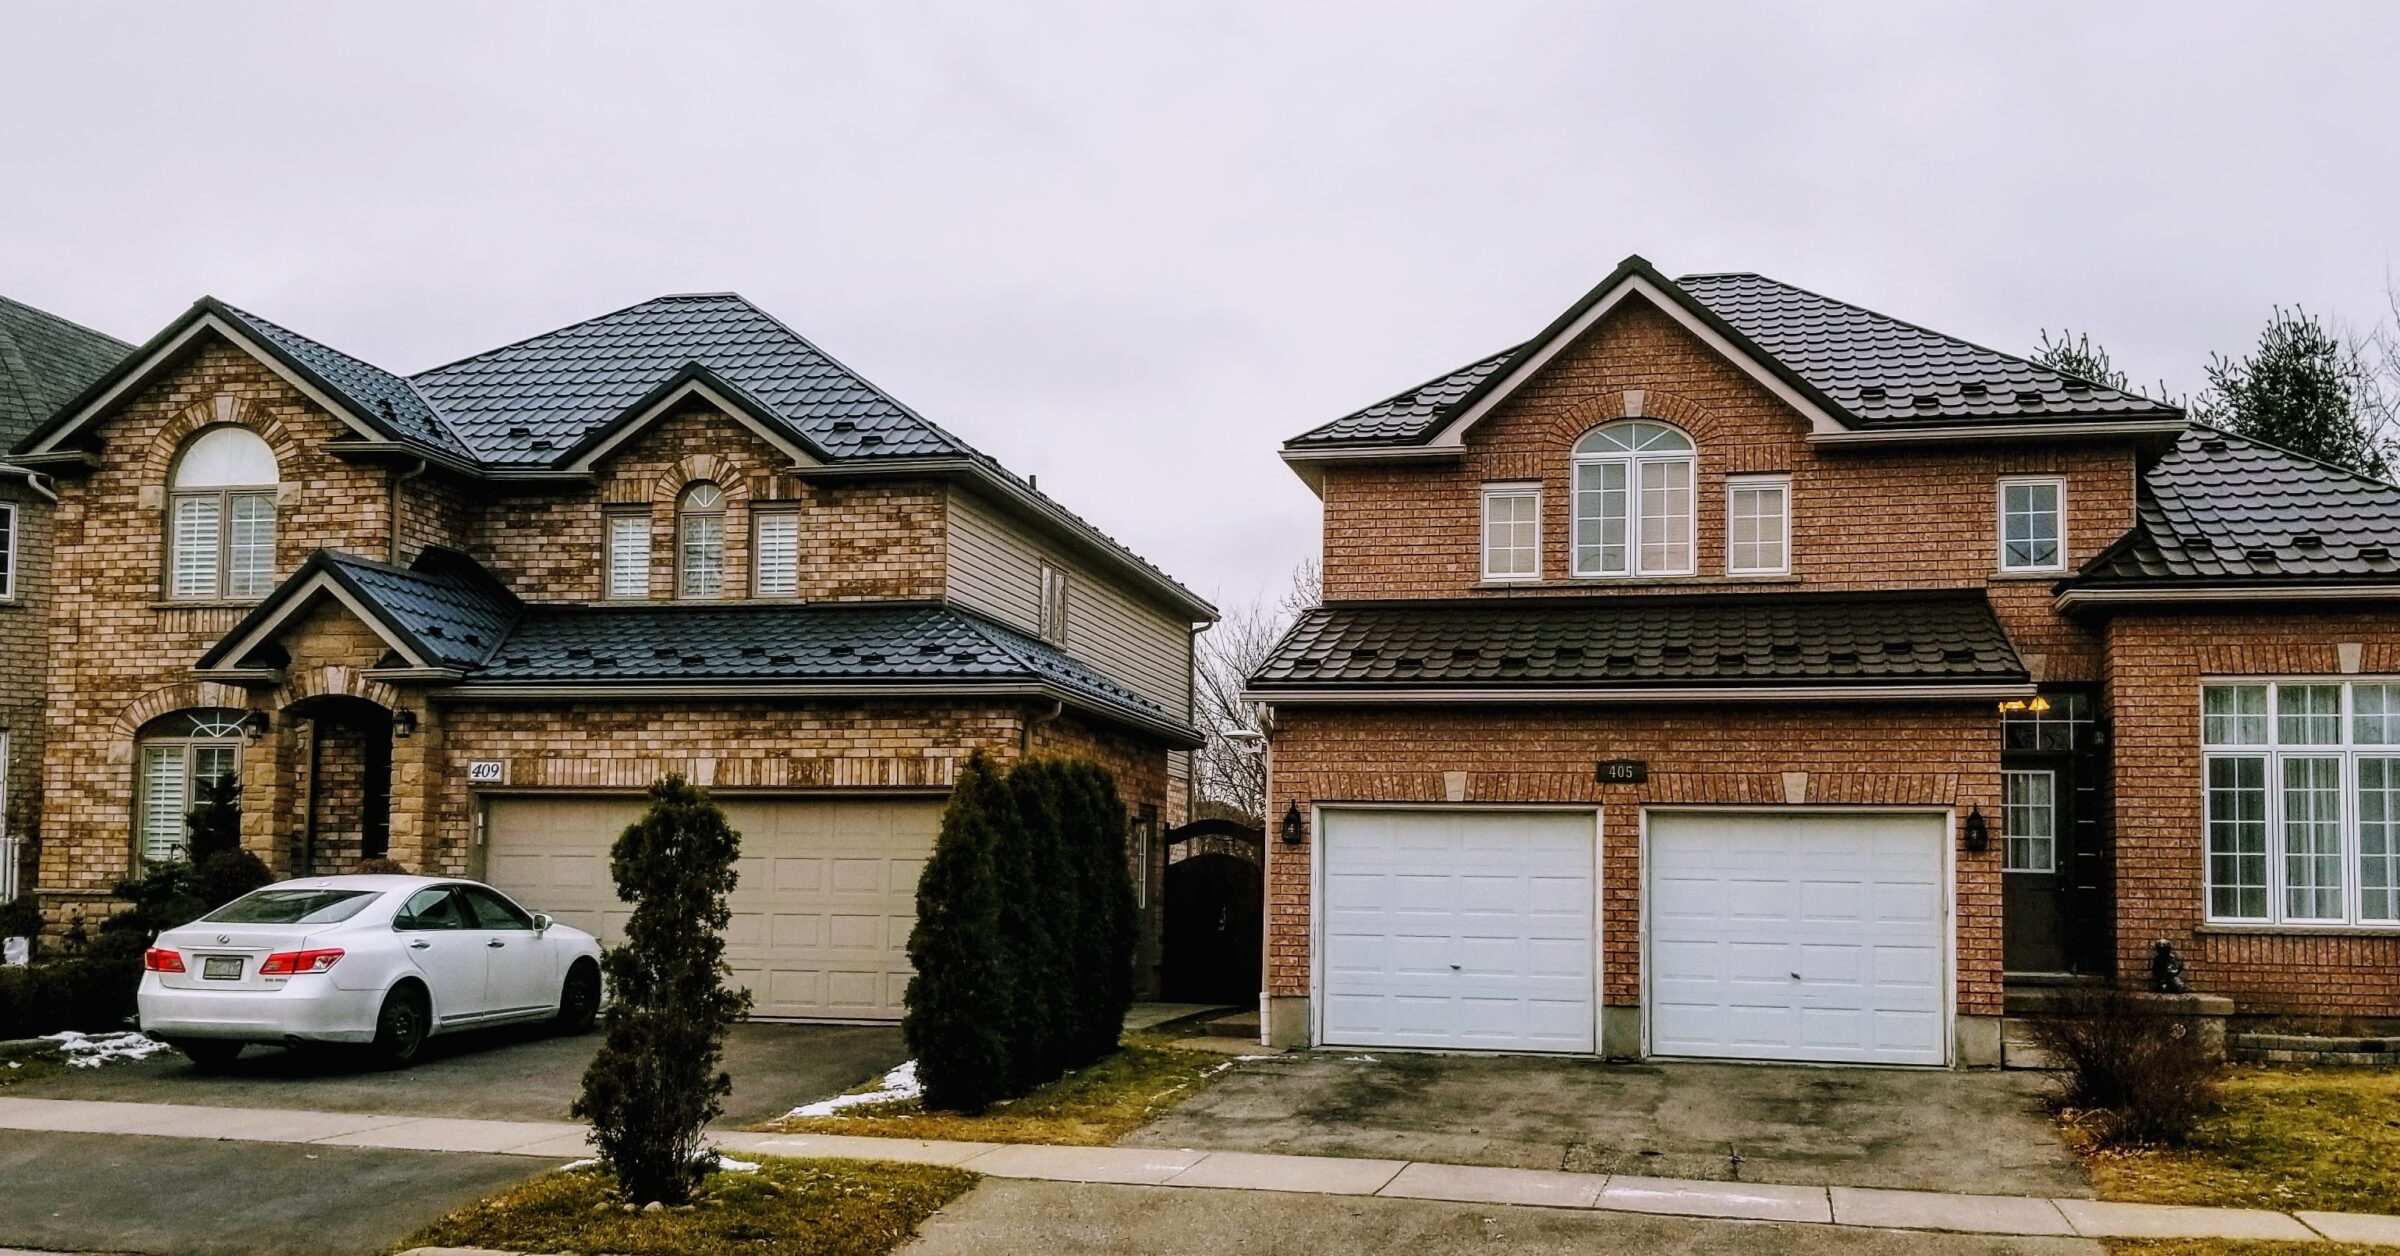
x: 1882, y: 754
x: 24, y: 667
x: 2154, y: 668
x: 1921, y: 518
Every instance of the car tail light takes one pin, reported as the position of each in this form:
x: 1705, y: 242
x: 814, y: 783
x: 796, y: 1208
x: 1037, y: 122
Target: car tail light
x: 294, y: 963
x: 159, y: 959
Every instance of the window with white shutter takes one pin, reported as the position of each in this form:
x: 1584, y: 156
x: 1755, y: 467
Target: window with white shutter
x: 775, y: 555
x: 221, y: 517
x: 181, y: 754
x: 628, y: 556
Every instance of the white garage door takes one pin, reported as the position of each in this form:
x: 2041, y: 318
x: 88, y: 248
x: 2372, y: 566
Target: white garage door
x: 1459, y: 929
x: 1781, y: 936
x: 822, y: 912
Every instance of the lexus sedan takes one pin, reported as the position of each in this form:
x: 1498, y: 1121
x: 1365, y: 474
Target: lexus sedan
x: 384, y: 961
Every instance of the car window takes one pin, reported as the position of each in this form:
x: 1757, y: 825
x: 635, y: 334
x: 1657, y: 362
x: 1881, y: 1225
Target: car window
x: 434, y: 907
x: 293, y: 907
x: 494, y: 911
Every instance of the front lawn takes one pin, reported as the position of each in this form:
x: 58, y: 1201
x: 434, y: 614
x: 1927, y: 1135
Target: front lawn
x: 2289, y: 1139
x: 1089, y: 1107
x: 783, y: 1208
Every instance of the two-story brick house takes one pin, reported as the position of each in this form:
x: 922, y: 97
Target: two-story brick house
x: 44, y: 361
x: 461, y: 619
x: 1729, y: 671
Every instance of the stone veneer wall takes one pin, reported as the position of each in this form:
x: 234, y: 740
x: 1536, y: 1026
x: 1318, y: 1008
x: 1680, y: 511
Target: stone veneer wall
x: 24, y: 671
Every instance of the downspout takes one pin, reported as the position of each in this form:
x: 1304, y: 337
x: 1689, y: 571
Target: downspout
x: 1058, y: 707
x: 1191, y: 708
x: 399, y: 478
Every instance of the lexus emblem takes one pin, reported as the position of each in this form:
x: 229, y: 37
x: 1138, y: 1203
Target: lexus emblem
x: 224, y: 938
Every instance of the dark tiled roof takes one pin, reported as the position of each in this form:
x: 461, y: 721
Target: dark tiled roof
x: 1878, y: 371
x: 1643, y: 641
x: 378, y: 395
x: 456, y: 612
x: 44, y: 362
x: 2219, y: 509
x: 522, y: 404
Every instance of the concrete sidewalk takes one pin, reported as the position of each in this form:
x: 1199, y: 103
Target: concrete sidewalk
x: 1231, y: 1170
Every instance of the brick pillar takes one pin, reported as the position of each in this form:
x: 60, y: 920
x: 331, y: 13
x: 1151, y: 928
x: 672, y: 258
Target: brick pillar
x: 270, y: 819
x: 416, y: 794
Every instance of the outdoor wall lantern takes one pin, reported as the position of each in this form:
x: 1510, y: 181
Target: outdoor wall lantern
x: 1293, y: 827
x: 1979, y: 834
x: 254, y: 725
x: 404, y: 724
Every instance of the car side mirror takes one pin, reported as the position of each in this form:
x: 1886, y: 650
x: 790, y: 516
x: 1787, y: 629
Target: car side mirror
x: 541, y: 922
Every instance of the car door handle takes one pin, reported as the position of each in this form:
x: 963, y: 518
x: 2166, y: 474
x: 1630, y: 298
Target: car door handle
x: 419, y: 945
x: 495, y: 942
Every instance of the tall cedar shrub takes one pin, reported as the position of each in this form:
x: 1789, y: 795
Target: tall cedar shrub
x: 960, y: 1018
x: 1037, y: 928
x: 1095, y: 839
x: 656, y: 1083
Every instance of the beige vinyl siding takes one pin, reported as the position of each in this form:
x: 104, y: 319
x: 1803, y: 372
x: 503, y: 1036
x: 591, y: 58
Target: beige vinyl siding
x: 996, y: 568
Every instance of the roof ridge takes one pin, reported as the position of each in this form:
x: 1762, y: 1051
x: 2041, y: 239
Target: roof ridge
x: 1939, y: 335
x: 381, y: 410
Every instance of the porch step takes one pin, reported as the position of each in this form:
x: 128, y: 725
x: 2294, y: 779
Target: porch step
x: 2017, y: 1049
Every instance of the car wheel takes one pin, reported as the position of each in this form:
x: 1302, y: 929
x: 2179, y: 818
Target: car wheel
x: 208, y: 1055
x: 401, y: 1026
x: 579, y: 999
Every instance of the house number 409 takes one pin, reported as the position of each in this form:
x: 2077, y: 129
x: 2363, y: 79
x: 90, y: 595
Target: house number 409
x: 484, y: 771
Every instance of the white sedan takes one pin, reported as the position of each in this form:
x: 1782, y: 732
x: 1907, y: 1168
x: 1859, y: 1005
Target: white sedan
x: 386, y: 961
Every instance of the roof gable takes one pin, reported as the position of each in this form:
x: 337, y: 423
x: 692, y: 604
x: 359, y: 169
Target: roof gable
x: 443, y: 613
x: 44, y: 362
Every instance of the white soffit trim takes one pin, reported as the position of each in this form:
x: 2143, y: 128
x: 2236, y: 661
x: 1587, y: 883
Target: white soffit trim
x: 1749, y: 693
x: 207, y: 322
x: 2225, y: 593
x: 695, y: 388
x: 1531, y: 364
x: 1998, y: 431
x: 295, y: 602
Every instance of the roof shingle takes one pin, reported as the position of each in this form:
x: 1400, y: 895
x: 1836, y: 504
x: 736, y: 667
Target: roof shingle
x: 2222, y: 509
x: 44, y: 362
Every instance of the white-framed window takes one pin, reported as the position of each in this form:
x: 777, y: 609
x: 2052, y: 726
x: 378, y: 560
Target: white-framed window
x: 1633, y: 500
x: 2300, y: 795
x: 1054, y: 605
x: 221, y: 517
x: 775, y: 554
x: 1758, y: 525
x: 2033, y: 523
x: 700, y: 541
x: 628, y: 555
x: 2029, y: 821
x: 1512, y: 532
x: 8, y: 551
x: 179, y: 756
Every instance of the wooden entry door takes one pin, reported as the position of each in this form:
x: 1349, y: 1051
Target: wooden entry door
x: 2034, y: 931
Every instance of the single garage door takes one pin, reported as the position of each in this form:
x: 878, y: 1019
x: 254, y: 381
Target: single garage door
x: 821, y: 915
x: 1784, y: 936
x: 1459, y: 930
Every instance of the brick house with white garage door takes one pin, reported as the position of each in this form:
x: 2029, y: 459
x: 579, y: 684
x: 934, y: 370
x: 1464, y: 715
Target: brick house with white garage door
x: 461, y: 619
x: 1732, y: 672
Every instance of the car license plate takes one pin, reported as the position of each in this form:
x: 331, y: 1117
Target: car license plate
x: 221, y: 967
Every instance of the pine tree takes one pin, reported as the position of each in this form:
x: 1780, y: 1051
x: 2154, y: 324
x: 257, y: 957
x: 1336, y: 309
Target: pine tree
x: 1038, y: 920
x: 2080, y: 358
x: 2302, y: 389
x: 960, y: 1002
x: 656, y: 1083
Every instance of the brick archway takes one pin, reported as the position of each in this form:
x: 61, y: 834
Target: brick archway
x: 222, y: 410
x: 336, y: 680
x: 1672, y: 409
x: 186, y: 696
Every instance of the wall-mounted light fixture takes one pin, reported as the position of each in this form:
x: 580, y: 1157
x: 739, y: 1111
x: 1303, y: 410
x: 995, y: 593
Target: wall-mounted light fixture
x: 404, y: 724
x: 254, y: 725
x: 1293, y: 828
x: 1979, y: 833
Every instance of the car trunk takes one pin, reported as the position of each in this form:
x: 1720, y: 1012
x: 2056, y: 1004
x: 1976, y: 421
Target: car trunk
x: 228, y: 956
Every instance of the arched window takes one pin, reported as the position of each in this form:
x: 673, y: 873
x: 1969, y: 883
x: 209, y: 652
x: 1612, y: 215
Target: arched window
x: 700, y: 541
x: 221, y: 517
x: 180, y: 755
x: 1633, y: 501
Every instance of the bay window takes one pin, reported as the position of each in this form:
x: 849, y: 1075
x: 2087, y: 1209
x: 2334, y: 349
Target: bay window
x: 2301, y: 801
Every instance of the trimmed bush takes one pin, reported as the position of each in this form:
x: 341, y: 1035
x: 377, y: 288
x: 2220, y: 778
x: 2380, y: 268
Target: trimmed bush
x: 656, y: 1083
x: 1095, y: 837
x: 2143, y: 1075
x: 960, y: 1018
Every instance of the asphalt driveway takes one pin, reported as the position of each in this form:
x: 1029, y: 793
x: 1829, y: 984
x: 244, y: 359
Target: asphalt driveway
x: 503, y: 1074
x: 1916, y: 1129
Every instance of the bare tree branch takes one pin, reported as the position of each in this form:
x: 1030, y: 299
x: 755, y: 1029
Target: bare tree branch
x: 1232, y: 767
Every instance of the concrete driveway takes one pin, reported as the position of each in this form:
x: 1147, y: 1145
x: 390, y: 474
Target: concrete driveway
x: 1901, y: 1128
x: 504, y: 1074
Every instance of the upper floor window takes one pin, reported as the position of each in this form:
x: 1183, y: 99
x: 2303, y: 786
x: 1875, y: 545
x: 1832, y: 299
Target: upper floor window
x: 1054, y: 605
x: 700, y: 541
x: 775, y: 554
x: 1633, y: 501
x: 1512, y: 532
x: 221, y: 517
x: 1758, y: 526
x: 628, y: 574
x: 2033, y: 515
x: 8, y: 551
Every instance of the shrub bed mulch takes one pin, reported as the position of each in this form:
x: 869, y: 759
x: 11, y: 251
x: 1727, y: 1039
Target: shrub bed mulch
x: 783, y: 1208
x: 1090, y: 1107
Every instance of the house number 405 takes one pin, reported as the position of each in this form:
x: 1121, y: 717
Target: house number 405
x: 1623, y: 771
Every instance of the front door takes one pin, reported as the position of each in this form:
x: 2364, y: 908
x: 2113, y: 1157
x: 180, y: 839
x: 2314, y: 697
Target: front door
x: 2033, y: 892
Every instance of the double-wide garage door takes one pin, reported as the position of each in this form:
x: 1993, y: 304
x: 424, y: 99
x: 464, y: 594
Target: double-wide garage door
x: 822, y: 913
x: 1772, y: 935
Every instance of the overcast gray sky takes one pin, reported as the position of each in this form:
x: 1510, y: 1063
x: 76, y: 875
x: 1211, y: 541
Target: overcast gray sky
x: 1131, y: 247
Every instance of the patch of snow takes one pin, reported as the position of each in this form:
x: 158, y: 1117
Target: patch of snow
x: 588, y: 1162
x: 84, y: 1051
x: 727, y: 1164
x: 899, y: 1084
x: 1365, y: 1059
